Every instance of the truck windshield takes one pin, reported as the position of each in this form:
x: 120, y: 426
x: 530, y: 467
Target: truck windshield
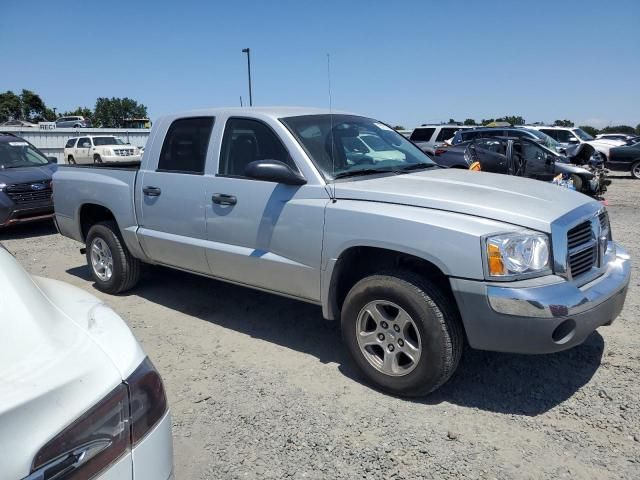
x: 332, y: 141
x: 582, y: 134
x: 547, y: 141
x: 100, y: 141
x: 20, y: 154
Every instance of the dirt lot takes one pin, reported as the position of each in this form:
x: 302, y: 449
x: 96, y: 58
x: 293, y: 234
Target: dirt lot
x: 260, y: 386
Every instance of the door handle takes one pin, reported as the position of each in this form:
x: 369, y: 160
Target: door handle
x: 224, y: 199
x: 151, y: 191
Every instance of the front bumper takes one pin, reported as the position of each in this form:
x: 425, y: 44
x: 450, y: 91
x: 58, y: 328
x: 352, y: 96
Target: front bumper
x: 11, y: 213
x: 121, y: 158
x: 527, y: 318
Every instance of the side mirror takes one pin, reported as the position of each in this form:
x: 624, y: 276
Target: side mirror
x: 274, y: 171
x: 573, y: 140
x: 52, y: 159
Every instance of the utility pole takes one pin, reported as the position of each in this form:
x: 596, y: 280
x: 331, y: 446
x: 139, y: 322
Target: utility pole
x: 248, y: 52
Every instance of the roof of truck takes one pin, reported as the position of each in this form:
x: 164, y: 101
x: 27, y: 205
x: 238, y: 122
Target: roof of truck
x: 275, y: 112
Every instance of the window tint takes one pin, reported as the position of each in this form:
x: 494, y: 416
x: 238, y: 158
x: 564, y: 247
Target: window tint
x: 552, y: 133
x: 246, y: 141
x: 185, y: 146
x: 422, y: 134
x: 564, y: 136
x: 82, y: 143
x: 446, y: 134
x: 467, y: 135
x: 70, y: 143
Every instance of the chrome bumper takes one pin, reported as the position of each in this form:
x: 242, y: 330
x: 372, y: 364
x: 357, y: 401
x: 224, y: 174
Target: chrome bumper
x: 562, y: 299
x: 542, y: 315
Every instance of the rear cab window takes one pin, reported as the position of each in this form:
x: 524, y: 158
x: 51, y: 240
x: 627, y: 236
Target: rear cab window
x: 185, y: 145
x: 422, y: 134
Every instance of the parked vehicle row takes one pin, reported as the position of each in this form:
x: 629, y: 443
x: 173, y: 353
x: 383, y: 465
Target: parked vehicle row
x: 413, y: 259
x: 526, y: 157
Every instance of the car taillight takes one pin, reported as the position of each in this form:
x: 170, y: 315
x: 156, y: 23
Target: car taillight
x: 147, y: 399
x: 440, y: 151
x: 107, y: 431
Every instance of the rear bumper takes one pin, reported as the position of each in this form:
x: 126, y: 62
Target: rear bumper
x: 541, y: 319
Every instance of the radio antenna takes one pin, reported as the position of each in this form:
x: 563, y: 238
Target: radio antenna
x: 333, y: 161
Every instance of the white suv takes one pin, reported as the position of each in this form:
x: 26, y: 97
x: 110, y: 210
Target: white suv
x: 430, y: 137
x: 99, y: 149
x: 571, y: 136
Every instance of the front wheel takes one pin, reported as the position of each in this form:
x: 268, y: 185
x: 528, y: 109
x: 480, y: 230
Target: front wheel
x: 404, y: 334
x: 97, y: 159
x: 635, y: 170
x: 71, y: 160
x: 112, y: 266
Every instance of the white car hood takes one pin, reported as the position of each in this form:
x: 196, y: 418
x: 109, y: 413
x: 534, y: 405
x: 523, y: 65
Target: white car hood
x: 61, y: 352
x: 519, y: 201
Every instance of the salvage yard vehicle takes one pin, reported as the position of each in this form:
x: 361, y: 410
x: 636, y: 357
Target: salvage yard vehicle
x: 25, y: 182
x: 73, y: 121
x: 566, y: 137
x: 518, y: 132
x: 99, y: 149
x: 78, y: 396
x: 625, y: 159
x: 524, y: 157
x: 414, y: 260
x: 430, y: 137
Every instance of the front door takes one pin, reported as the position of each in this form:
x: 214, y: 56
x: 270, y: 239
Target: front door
x: 172, y: 196
x: 261, y: 233
x: 539, y: 163
x: 83, y: 150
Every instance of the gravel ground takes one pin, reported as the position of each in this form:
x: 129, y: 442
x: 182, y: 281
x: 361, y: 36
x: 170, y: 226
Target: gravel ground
x: 261, y: 387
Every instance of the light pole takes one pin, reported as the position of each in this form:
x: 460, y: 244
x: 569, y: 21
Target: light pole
x: 248, y: 52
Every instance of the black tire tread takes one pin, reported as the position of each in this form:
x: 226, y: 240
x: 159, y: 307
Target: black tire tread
x: 129, y: 265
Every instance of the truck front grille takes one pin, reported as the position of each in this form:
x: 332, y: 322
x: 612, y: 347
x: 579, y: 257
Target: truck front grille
x: 124, y: 152
x: 25, y: 193
x: 583, y: 248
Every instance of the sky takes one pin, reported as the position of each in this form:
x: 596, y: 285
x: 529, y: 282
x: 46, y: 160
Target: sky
x: 406, y: 63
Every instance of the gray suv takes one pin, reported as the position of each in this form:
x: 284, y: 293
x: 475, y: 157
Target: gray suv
x: 73, y: 122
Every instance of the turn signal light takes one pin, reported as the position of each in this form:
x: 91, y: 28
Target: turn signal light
x: 496, y: 267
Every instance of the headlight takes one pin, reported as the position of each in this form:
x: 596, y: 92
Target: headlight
x: 2, y: 187
x: 517, y: 254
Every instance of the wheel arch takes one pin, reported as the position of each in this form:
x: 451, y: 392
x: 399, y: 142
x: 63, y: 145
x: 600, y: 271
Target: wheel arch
x: 356, y: 262
x: 91, y: 213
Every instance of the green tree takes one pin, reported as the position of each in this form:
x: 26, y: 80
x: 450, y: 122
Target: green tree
x: 10, y: 106
x: 470, y: 121
x: 563, y: 123
x: 512, y: 119
x: 593, y: 131
x: 638, y: 129
x: 111, y: 112
x: 452, y: 121
x: 486, y: 121
x: 399, y: 127
x: 619, y: 129
x: 33, y: 107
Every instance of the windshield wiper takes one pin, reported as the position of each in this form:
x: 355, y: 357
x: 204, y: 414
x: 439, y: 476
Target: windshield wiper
x: 364, y: 171
x: 417, y: 166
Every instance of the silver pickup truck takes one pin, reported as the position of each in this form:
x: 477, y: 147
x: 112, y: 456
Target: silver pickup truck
x: 341, y: 211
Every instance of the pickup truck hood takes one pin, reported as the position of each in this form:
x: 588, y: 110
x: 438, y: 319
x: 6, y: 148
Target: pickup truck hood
x: 12, y: 176
x: 515, y: 200
x: 57, y: 359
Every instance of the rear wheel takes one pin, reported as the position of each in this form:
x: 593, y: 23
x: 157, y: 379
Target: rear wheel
x: 635, y: 170
x: 404, y: 334
x: 71, y: 160
x: 112, y: 266
x: 577, y: 182
x: 97, y: 159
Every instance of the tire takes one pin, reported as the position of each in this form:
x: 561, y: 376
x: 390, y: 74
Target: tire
x: 635, y: 170
x: 577, y: 182
x: 71, y: 160
x: 435, y: 328
x: 125, y: 269
x: 97, y: 159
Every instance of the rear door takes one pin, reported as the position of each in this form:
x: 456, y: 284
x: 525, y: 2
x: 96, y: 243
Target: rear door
x: 171, y: 194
